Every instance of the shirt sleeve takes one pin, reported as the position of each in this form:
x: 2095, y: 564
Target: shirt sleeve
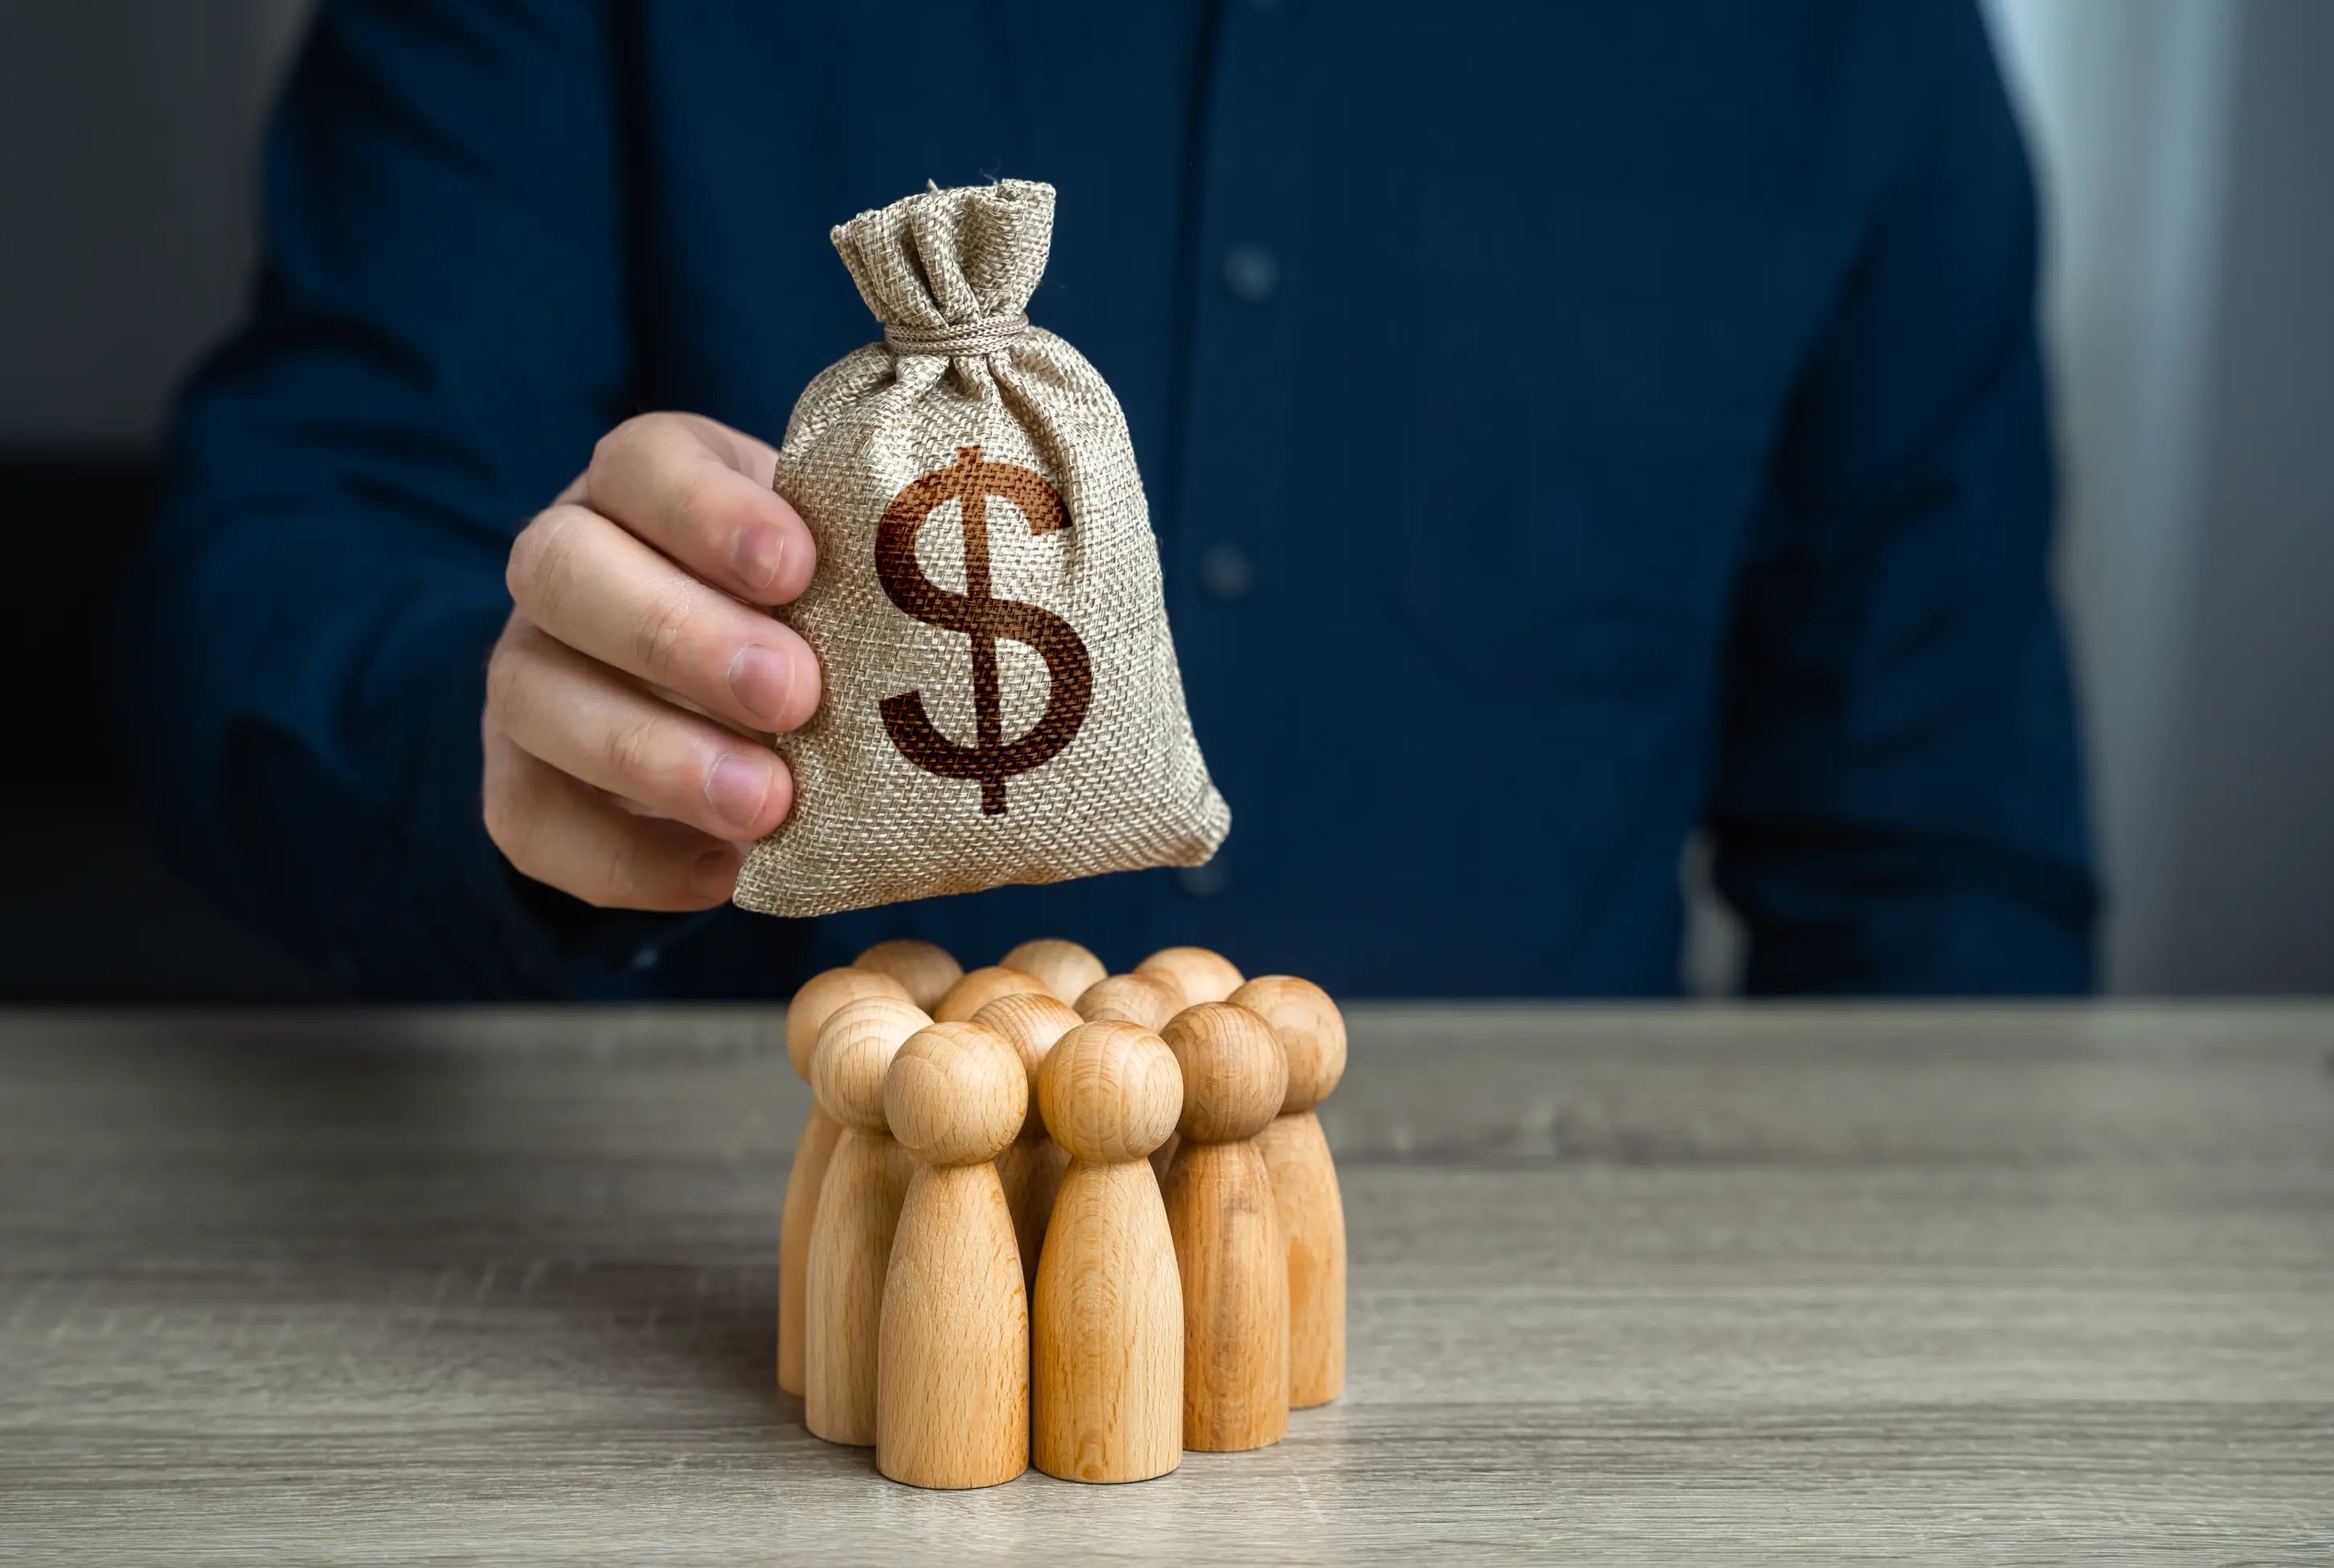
x: 438, y: 334
x: 1899, y: 805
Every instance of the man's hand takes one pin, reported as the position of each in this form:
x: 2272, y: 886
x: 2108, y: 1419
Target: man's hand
x: 621, y: 762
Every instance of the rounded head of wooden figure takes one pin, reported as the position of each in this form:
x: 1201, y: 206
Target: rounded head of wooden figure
x: 978, y: 988
x: 817, y: 1000
x: 1311, y: 1031
x: 1109, y: 1091
x: 847, y: 1067
x: 925, y: 969
x: 1149, y: 1000
x: 1032, y: 1023
x: 956, y: 1093
x: 1066, y: 968
x: 1234, y: 1076
x: 1195, y: 973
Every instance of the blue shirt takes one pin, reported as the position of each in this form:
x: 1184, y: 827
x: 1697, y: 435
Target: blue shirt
x: 1567, y: 428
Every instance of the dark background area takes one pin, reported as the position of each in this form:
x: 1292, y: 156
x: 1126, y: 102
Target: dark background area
x: 88, y: 909
x: 2184, y: 149
x: 127, y: 184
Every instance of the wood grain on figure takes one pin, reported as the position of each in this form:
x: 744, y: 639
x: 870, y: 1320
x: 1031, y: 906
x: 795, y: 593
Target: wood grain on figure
x: 1196, y: 973
x: 813, y: 1004
x: 814, y: 1153
x: 1312, y: 1215
x: 1030, y: 1168
x: 858, y: 1210
x: 1107, y: 1322
x: 980, y: 988
x: 1228, y: 1247
x: 953, y: 1374
x: 925, y: 968
x: 1147, y: 1000
x: 1066, y: 968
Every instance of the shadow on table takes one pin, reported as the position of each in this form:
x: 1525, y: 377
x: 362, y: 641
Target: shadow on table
x: 618, y: 1220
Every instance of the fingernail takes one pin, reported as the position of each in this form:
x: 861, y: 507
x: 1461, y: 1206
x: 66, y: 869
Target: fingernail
x: 737, y: 787
x: 757, y: 554
x: 715, y: 873
x: 761, y: 680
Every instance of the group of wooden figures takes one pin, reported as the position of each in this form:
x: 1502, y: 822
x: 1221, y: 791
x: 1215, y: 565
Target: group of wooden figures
x: 1042, y: 1213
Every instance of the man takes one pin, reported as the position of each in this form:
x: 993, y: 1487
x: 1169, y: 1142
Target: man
x: 1567, y: 429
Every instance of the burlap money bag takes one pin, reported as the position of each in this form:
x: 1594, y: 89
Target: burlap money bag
x: 1001, y: 701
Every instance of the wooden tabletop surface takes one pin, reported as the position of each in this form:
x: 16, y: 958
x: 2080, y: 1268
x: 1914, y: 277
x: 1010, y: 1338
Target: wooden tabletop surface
x: 1657, y: 1284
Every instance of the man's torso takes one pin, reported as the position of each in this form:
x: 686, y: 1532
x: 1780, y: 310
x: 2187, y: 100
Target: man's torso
x: 1454, y: 341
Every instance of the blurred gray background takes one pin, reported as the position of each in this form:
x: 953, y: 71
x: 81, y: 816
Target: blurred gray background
x: 2185, y: 149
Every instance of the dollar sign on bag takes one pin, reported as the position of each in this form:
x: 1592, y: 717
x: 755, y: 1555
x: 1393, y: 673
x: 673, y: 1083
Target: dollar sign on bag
x: 977, y: 613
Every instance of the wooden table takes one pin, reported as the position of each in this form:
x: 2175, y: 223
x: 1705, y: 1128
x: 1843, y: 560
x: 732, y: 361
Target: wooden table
x: 1663, y: 1285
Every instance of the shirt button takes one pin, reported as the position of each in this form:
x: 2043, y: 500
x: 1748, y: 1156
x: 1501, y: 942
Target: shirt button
x: 1251, y: 272
x: 1224, y: 572
x: 645, y: 958
x: 1204, y: 881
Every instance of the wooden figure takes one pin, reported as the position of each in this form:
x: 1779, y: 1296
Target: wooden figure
x: 1228, y: 1245
x: 1196, y: 973
x: 858, y: 1207
x: 925, y: 969
x: 953, y: 1374
x: 813, y: 1005
x: 980, y: 988
x: 1312, y: 1037
x: 1108, y: 1319
x: 1147, y: 1000
x: 1031, y: 1170
x: 1066, y: 968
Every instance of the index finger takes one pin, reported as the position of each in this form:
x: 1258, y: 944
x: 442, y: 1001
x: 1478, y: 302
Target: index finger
x: 699, y: 492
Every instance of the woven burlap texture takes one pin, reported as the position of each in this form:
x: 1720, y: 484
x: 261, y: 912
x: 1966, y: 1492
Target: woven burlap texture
x: 1129, y: 789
